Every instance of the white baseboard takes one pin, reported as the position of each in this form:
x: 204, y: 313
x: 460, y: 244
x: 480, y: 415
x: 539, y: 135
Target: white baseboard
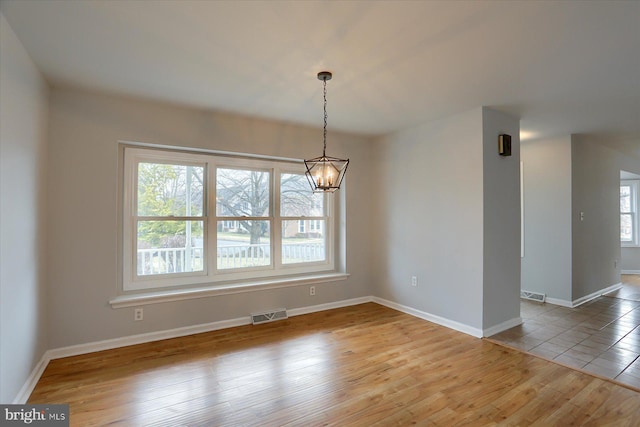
x: 75, y: 350
x: 451, y: 324
x: 558, y: 301
x: 596, y: 294
x: 575, y: 303
x: 502, y: 327
x: 92, y: 347
x: 630, y: 272
x: 187, y: 330
x: 30, y: 384
x: 328, y: 306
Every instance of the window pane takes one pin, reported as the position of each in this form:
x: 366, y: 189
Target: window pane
x: 626, y: 229
x: 296, y: 197
x: 625, y: 198
x: 167, y: 247
x: 246, y: 245
x: 170, y: 190
x: 303, y: 246
x: 242, y: 193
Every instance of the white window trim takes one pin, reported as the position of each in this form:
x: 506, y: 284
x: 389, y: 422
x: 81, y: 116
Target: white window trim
x: 635, y: 222
x: 202, y: 284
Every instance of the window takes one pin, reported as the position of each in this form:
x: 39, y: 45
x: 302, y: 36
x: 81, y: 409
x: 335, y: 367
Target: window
x: 169, y: 218
x: 193, y: 219
x: 306, y: 210
x: 628, y: 213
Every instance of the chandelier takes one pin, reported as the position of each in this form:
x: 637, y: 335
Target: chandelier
x: 325, y: 174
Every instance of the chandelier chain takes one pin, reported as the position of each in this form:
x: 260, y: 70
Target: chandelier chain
x: 324, y: 150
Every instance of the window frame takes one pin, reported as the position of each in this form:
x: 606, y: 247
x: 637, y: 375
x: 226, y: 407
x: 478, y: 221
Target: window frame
x: 634, y: 186
x: 244, y: 272
x: 211, y: 276
x: 330, y: 231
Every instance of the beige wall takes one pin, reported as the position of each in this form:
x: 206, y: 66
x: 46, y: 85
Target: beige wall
x: 23, y: 148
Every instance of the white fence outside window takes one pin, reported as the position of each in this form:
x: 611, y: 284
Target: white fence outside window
x: 181, y: 260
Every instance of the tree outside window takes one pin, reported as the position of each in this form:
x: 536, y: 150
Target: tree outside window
x: 194, y: 218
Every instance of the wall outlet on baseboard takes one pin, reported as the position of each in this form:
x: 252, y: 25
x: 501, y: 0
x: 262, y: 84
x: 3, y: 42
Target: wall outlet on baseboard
x: 138, y: 314
x: 312, y: 290
x: 414, y: 281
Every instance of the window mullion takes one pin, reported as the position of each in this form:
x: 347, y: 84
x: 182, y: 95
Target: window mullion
x: 276, y: 244
x: 633, y: 213
x: 212, y: 259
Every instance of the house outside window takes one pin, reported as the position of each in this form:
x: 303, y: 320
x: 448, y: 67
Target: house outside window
x: 629, y: 213
x: 193, y: 219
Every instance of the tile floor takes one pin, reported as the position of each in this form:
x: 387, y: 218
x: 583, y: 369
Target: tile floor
x: 601, y: 336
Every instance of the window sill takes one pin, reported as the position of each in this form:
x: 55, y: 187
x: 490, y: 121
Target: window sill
x: 162, y: 296
x: 629, y: 245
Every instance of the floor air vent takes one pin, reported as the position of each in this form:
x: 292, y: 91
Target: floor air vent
x: 269, y: 316
x: 533, y: 296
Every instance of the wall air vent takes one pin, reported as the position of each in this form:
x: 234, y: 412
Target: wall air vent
x: 269, y: 316
x: 532, y: 296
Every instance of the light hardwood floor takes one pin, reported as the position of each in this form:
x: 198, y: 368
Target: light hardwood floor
x: 361, y: 365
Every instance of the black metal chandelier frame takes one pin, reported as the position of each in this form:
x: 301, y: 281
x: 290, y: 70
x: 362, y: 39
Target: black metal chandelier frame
x: 325, y: 173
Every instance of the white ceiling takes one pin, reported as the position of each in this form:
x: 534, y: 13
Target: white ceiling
x: 563, y: 67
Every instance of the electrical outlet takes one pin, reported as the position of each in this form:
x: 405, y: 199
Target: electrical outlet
x: 312, y: 290
x: 138, y: 314
x: 414, y: 281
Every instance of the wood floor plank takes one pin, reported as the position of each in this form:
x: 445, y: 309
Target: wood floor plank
x: 361, y: 365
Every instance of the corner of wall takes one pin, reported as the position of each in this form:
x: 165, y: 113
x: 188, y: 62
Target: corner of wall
x: 595, y: 230
x: 501, y: 220
x: 546, y: 265
x: 24, y: 116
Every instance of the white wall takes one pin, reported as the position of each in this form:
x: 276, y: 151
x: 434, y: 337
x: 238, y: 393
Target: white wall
x: 501, y: 212
x: 566, y: 257
x: 83, y: 178
x: 430, y: 218
x: 23, y: 145
x: 546, y: 266
x: 430, y: 187
x: 630, y: 261
x: 595, y: 191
